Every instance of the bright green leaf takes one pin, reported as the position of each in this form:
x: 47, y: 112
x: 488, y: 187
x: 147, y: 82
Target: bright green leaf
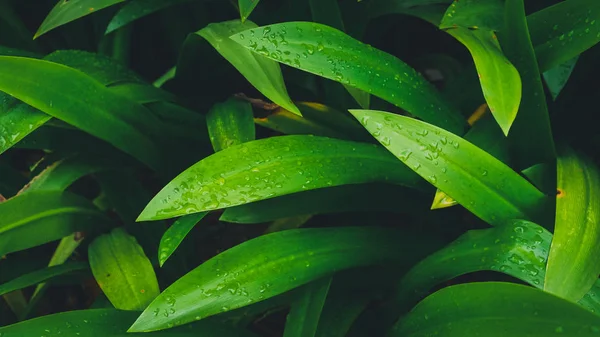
x: 573, y: 265
x: 557, y: 77
x: 35, y: 218
x: 272, y: 167
x: 329, y: 53
x: 272, y: 264
x: 175, y: 235
x: 230, y: 123
x: 496, y: 309
x: 303, y: 319
x: 478, y: 181
x: 137, y: 9
x: 246, y: 8
x: 563, y: 31
x: 123, y: 271
x: 264, y: 74
x: 500, y: 81
x: 41, y: 275
x: 66, y: 11
x: 475, y: 14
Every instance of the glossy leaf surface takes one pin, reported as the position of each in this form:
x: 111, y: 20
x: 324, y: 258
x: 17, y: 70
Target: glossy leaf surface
x: 175, y: 235
x: 36, y: 218
x: 329, y: 53
x: 122, y: 270
x: 496, y: 309
x: 262, y: 73
x: 273, y: 264
x: 66, y: 11
x: 272, y: 167
x: 246, y: 8
x: 573, y: 262
x: 478, y: 181
x: 230, y: 123
x: 475, y: 14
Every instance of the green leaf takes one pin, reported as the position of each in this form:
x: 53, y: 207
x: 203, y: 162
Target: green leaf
x: 339, y: 199
x: 557, y: 77
x: 137, y: 9
x: 329, y: 53
x: 303, y: 319
x: 272, y: 264
x: 230, y: 123
x: 246, y: 8
x: 122, y: 270
x: 66, y: 11
x: 272, y: 167
x: 519, y: 249
x: 573, y: 265
x: 475, y: 14
x: 290, y: 123
x: 175, y: 235
x: 77, y: 99
x: 478, y: 181
x: 496, y: 309
x: 17, y: 120
x: 563, y: 31
x: 40, y: 276
x: 264, y: 74
x: 108, y: 323
x: 142, y: 93
x: 500, y: 81
x: 531, y: 136
x: 36, y: 218
x: 382, y: 7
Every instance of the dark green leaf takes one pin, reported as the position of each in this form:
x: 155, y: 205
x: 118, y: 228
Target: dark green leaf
x: 246, y: 8
x: 41, y: 276
x: 329, y: 53
x: 142, y: 93
x: 35, y: 218
x: 262, y: 73
x: 77, y: 99
x: 272, y: 167
x: 347, y: 198
x: 66, y: 11
x: 273, y: 264
x: 471, y: 176
x: 230, y: 123
x: 108, y: 323
x: 136, y: 9
x: 557, y: 77
x: 500, y: 81
x: 382, y: 7
x: 475, y: 14
x: 303, y: 319
x: 573, y: 265
x: 496, y: 309
x: 563, y: 31
x: 123, y: 271
x: 175, y: 235
x: 531, y: 137
x: 290, y: 123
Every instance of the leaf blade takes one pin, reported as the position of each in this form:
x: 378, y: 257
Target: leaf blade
x: 175, y: 235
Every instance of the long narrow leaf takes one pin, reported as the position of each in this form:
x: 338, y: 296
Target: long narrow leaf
x: 175, y: 235
x: 303, y: 319
x: 41, y: 275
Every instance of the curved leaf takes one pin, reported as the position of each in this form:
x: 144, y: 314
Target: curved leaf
x: 35, y: 218
x: 137, y: 9
x: 496, y: 309
x: 230, y: 123
x: 273, y: 264
x: 500, y: 81
x: 264, y: 74
x: 478, y: 181
x: 557, y: 77
x: 122, y: 270
x: 382, y: 7
x: 475, y: 14
x: 246, y: 8
x: 66, y: 11
x: 303, y: 319
x: 563, y: 31
x: 108, y: 323
x: 142, y: 93
x: 573, y: 265
x: 272, y: 167
x: 175, y: 235
x: 329, y: 53
x: 531, y: 137
x: 79, y: 100
x: 346, y: 198
x: 40, y: 276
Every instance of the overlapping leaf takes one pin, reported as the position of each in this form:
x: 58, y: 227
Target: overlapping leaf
x: 175, y: 235
x: 137, y: 9
x: 230, y: 123
x: 303, y: 319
